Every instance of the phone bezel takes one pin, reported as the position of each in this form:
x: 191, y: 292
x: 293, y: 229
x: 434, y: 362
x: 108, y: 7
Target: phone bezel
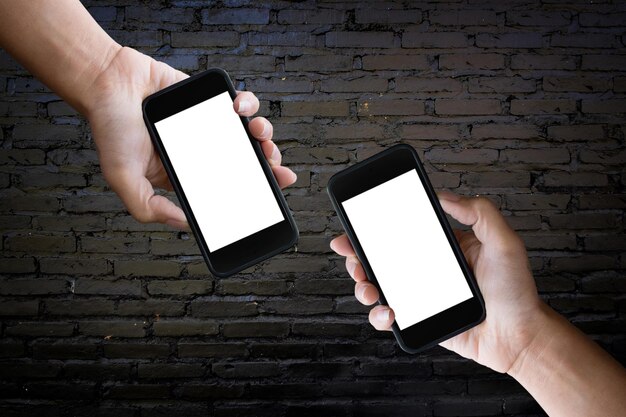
x: 252, y: 249
x: 372, y: 172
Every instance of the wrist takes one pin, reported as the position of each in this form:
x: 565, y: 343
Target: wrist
x: 88, y: 95
x: 540, y: 333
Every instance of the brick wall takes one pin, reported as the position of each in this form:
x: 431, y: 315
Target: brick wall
x: 522, y: 101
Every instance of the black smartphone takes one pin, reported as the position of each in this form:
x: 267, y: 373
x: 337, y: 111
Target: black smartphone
x: 225, y: 186
x: 400, y: 233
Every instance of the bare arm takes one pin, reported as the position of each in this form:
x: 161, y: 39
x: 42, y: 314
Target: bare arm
x: 60, y: 43
x: 567, y: 373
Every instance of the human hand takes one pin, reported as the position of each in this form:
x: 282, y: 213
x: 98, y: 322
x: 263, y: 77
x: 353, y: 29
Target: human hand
x: 128, y: 159
x: 498, y: 258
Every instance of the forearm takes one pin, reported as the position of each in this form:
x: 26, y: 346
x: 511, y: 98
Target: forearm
x: 59, y: 42
x: 568, y: 374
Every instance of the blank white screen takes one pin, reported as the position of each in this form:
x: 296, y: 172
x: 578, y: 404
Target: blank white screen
x: 219, y: 171
x: 407, y: 249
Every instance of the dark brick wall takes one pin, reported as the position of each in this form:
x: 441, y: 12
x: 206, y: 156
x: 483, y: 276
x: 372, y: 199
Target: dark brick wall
x: 521, y: 101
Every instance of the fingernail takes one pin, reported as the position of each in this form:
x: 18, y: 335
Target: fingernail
x: 383, y: 315
x: 275, y: 155
x: 361, y: 291
x: 266, y: 131
x: 351, y: 266
x: 244, y: 106
x: 294, y: 177
x: 332, y: 245
x: 448, y: 196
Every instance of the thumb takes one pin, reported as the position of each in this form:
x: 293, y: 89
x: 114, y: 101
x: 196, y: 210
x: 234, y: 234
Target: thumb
x: 144, y: 205
x: 486, y: 220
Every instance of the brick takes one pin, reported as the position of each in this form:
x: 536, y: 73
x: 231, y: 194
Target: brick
x: 388, y: 16
x: 93, y: 203
x: 605, y: 243
x: 468, y: 408
x: 137, y: 392
x: 539, y: 156
x: 66, y: 223
x: 601, y: 19
x: 204, y: 39
x: 28, y: 203
x: 41, y: 243
x: 74, y: 266
x: 324, y: 286
x: 359, y: 39
x: 114, y: 245
x: 391, y: 107
x: 609, y: 157
x: 255, y: 329
x: 242, y: 16
x: 364, y: 130
x: 24, y: 370
x: 501, y: 85
x: 465, y: 156
x: 315, y: 108
x: 463, y: 17
x: 112, y: 328
x: 363, y: 84
x: 318, y: 63
x: 9, y: 308
x: 537, y: 201
x: 40, y: 178
x: 90, y: 307
x: 184, y: 328
x: 326, y: 329
x: 147, y: 14
x: 467, y: 107
x: 97, y: 372
x: 579, y: 84
x: 516, y: 40
x: 245, y: 369
x: 524, y: 107
x: 18, y: 109
x: 498, y: 131
x: 61, y: 108
x: 471, y: 62
x: 576, y: 132
x: 497, y: 179
x: 40, y: 329
x: 603, y: 62
x: 22, y: 157
x: 274, y: 39
x: 11, y: 349
x: 17, y: 265
x: 418, y: 85
x: 163, y: 370
x: 394, y: 62
x: 583, y: 40
x: 212, y: 391
x: 430, y: 131
x: 154, y: 268
x: 538, y: 18
x: 211, y: 350
x: 575, y: 179
x: 549, y: 242
x: 154, y: 308
x: 602, y: 201
x: 434, y: 40
x: 604, y: 106
x: 298, y: 306
x: 37, y: 286
x: 537, y: 62
x: 282, y: 350
x: 103, y: 14
x: 182, y: 62
x: 313, y: 16
x: 315, y: 155
x: 107, y: 287
x: 243, y: 63
x: 582, y: 220
x: 221, y: 308
x: 257, y: 287
x: 136, y: 351
x: 280, y: 85
x: 180, y: 287
x: 137, y: 38
x: 42, y: 350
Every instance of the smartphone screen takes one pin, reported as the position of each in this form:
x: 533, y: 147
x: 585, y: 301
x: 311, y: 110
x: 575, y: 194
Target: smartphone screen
x: 407, y: 249
x: 219, y: 172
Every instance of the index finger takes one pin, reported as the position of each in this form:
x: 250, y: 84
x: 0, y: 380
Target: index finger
x: 246, y: 103
x: 341, y: 245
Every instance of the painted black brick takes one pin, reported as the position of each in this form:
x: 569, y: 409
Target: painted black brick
x: 103, y: 316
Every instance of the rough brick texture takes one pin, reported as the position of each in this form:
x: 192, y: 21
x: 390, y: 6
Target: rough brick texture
x: 521, y: 101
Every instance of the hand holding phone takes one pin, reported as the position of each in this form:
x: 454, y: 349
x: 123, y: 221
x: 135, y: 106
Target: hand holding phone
x: 223, y: 181
x: 406, y: 247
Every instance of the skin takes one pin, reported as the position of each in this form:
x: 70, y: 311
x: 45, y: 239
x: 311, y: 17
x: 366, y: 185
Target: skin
x: 60, y: 43
x: 567, y: 373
